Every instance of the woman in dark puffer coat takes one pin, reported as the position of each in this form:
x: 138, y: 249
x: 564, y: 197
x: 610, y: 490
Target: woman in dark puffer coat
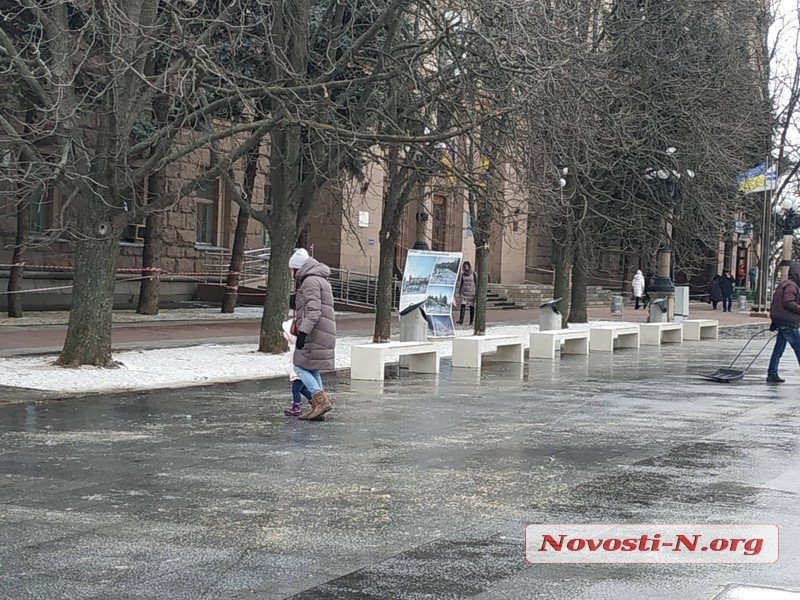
x: 315, y: 322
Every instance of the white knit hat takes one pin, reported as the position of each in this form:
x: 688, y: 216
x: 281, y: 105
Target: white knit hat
x: 298, y: 259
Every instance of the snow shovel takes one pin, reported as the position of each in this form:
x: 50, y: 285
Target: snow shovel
x: 729, y: 374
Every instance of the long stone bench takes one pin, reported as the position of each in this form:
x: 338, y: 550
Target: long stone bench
x: 468, y: 351
x: 654, y: 334
x: 700, y: 329
x: 367, y: 361
x: 610, y: 337
x: 570, y: 341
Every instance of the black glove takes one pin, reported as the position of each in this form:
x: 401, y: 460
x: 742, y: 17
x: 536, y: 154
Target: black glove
x: 301, y: 341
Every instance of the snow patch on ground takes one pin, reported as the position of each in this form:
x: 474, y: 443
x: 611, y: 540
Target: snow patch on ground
x: 188, y: 366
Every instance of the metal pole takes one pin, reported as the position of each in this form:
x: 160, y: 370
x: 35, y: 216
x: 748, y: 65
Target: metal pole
x: 766, y: 236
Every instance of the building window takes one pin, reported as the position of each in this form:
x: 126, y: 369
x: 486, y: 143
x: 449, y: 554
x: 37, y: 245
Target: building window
x: 207, y: 203
x: 41, y: 219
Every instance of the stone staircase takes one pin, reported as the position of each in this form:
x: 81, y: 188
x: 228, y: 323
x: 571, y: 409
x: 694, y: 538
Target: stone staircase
x: 532, y: 295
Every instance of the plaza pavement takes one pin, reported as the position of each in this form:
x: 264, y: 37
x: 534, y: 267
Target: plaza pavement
x: 417, y: 488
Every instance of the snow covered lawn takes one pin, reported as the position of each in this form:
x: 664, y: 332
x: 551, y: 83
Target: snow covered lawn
x: 182, y: 367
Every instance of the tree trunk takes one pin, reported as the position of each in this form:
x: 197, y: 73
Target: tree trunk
x: 383, y: 304
x: 88, y: 339
x: 276, y: 301
x: 580, y: 277
x: 562, y: 261
x: 151, y: 252
x: 237, y: 262
x: 18, y: 259
x: 240, y: 236
x: 482, y: 267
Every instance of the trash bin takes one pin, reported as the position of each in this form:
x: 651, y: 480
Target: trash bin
x: 659, y: 311
x: 549, y: 315
x: 743, y: 303
x: 413, y: 327
x: 414, y: 323
x: 616, y: 305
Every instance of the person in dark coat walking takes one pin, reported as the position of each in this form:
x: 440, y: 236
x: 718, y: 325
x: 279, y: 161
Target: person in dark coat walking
x: 726, y: 289
x: 315, y: 324
x: 714, y: 291
x: 785, y: 314
x: 467, y: 289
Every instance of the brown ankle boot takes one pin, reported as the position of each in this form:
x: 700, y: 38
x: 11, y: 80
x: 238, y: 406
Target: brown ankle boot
x: 320, y: 404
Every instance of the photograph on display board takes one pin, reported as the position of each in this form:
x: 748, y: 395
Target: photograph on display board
x: 441, y: 325
x: 445, y: 271
x: 417, y: 274
x: 439, y: 300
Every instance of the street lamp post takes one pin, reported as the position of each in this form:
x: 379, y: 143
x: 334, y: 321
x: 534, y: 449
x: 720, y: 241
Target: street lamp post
x: 662, y: 282
x: 788, y: 213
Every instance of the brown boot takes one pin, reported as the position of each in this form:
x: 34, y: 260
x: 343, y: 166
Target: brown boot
x: 320, y: 404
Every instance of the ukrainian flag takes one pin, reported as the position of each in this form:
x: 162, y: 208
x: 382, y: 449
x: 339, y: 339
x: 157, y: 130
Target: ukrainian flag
x: 757, y: 179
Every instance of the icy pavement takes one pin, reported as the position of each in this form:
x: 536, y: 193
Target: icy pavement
x: 416, y: 488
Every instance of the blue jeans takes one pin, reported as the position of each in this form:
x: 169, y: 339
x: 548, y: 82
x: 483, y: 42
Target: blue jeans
x: 790, y: 335
x: 727, y: 302
x: 310, y: 379
x: 299, y: 390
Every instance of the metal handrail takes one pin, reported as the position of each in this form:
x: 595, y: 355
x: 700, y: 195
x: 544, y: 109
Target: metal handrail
x: 353, y: 288
x: 255, y: 265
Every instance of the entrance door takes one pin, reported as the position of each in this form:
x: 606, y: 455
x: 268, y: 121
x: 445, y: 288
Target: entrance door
x: 439, y: 225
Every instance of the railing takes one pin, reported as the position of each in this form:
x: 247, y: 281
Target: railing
x: 360, y: 289
x: 352, y: 288
x: 255, y: 266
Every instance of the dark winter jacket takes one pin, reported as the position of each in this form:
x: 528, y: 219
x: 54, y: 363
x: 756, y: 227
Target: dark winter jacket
x: 785, y: 308
x: 714, y: 289
x: 726, y: 286
x: 467, y: 287
x: 315, y: 317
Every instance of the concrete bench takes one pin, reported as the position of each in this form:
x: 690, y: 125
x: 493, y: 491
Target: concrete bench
x: 367, y: 361
x: 611, y: 337
x: 467, y: 351
x: 700, y: 329
x: 654, y: 334
x: 570, y: 341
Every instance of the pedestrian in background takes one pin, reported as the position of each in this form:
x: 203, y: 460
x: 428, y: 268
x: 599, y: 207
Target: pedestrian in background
x: 637, y: 288
x: 467, y: 289
x: 726, y: 290
x: 741, y: 273
x: 785, y: 314
x: 315, y: 327
x: 714, y: 292
x: 648, y: 285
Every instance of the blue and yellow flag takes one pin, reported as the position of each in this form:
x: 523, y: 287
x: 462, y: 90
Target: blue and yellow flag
x: 758, y: 179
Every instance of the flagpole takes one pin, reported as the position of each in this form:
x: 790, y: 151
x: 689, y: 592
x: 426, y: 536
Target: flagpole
x: 766, y: 236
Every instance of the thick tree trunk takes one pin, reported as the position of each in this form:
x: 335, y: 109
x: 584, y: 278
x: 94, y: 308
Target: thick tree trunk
x: 151, y: 252
x: 18, y: 259
x: 276, y: 302
x: 88, y: 339
x: 562, y: 261
x: 383, y: 304
x: 240, y: 236
x: 580, y: 277
x: 482, y: 268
